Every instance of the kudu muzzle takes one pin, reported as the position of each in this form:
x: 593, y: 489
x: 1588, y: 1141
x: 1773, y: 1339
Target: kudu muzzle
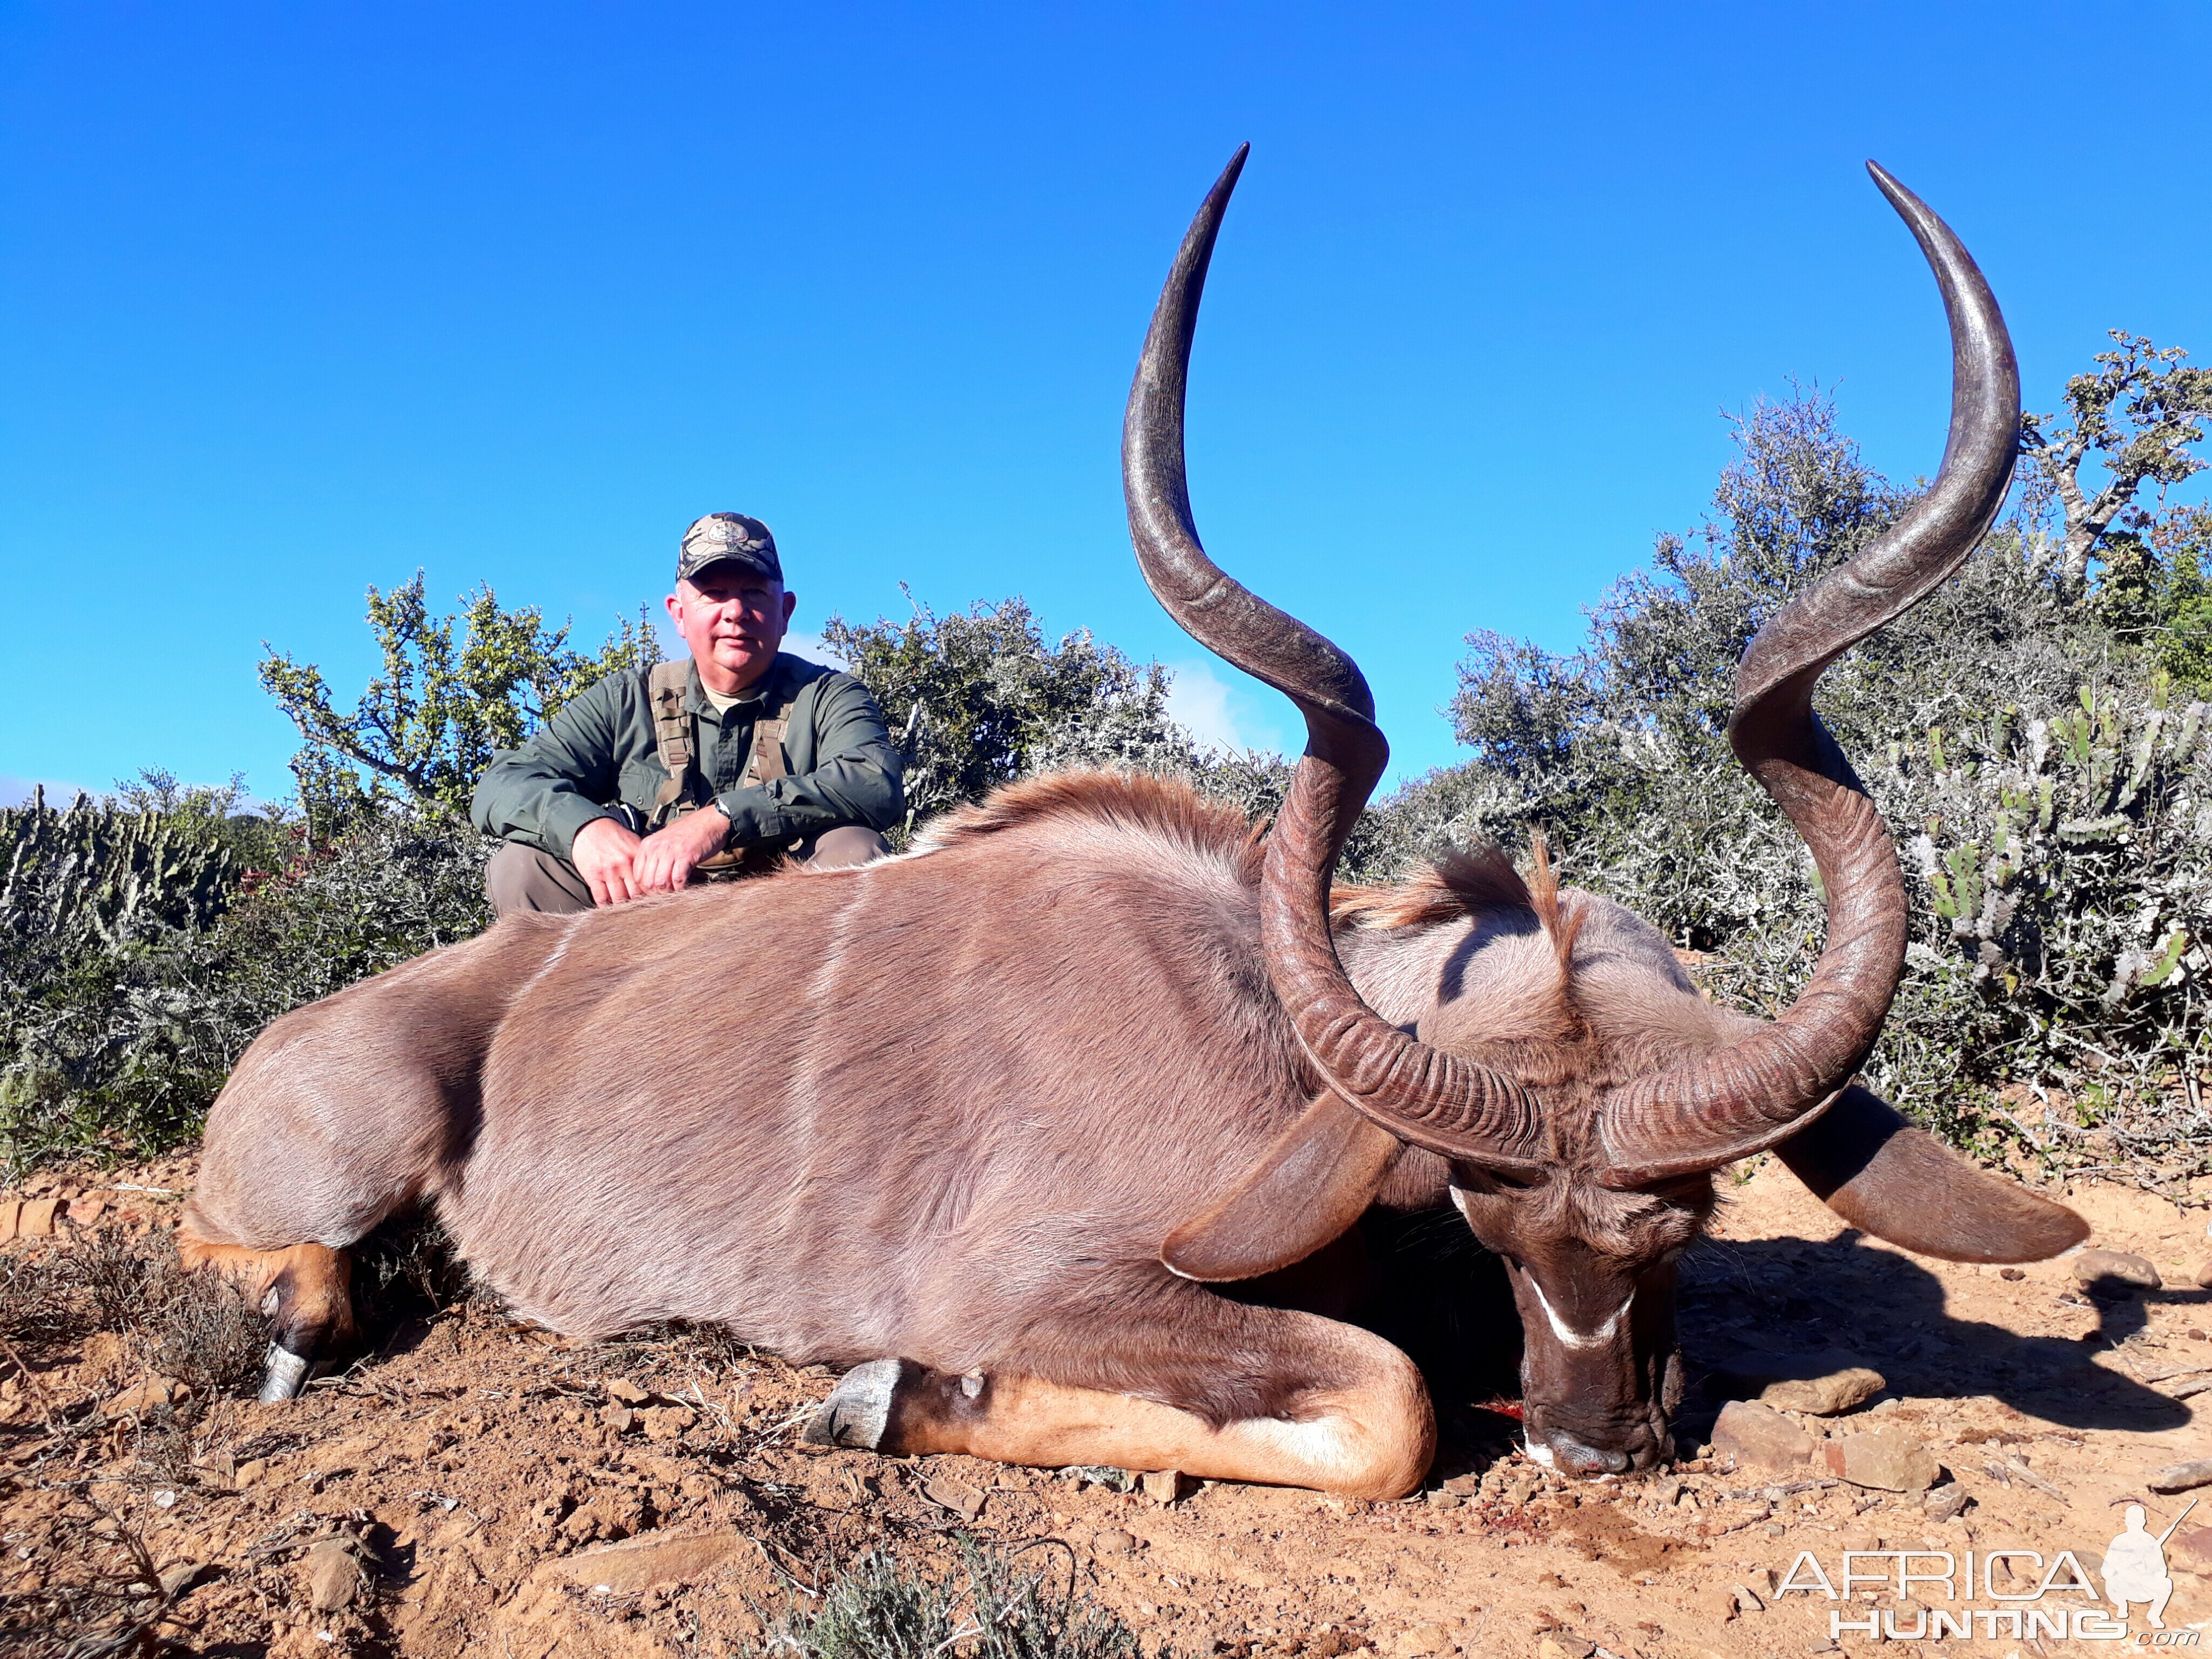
x: 1601, y: 1372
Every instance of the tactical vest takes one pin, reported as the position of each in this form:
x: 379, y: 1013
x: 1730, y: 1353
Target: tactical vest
x: 674, y: 735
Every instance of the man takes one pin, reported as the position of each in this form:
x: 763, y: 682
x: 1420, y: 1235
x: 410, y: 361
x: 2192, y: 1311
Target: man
x: 655, y: 777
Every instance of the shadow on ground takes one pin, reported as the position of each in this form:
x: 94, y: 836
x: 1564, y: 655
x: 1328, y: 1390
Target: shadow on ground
x: 1795, y: 1295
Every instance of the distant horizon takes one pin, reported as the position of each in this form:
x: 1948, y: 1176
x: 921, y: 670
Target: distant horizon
x: 296, y: 302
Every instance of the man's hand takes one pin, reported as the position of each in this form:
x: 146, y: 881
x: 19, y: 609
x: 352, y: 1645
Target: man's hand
x: 664, y: 859
x: 604, y: 854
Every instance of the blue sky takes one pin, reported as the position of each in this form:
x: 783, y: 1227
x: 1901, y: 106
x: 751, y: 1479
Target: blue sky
x: 296, y: 298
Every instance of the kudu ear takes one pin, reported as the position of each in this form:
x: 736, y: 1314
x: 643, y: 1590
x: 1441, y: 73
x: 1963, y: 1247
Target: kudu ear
x: 1310, y: 1187
x: 1899, y: 1183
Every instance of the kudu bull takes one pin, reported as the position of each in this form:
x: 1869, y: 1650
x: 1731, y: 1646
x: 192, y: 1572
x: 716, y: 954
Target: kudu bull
x: 982, y: 1122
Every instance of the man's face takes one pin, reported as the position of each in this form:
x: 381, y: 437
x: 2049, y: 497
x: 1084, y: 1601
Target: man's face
x: 734, y: 620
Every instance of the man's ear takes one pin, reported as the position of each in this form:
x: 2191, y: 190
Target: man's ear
x: 1310, y: 1187
x: 1899, y: 1183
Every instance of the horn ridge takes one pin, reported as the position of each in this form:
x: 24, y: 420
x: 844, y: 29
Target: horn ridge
x: 1421, y: 1095
x: 1742, y: 1099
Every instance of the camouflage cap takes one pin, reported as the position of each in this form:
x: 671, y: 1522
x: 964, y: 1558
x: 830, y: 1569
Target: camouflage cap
x: 730, y: 536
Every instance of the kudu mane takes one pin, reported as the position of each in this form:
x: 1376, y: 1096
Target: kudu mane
x: 1545, y: 1036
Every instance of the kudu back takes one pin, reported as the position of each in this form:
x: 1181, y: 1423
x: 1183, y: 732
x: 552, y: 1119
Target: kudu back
x: 981, y: 1123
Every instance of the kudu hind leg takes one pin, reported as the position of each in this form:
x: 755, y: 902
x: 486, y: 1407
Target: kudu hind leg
x: 1369, y: 1432
x: 306, y: 1291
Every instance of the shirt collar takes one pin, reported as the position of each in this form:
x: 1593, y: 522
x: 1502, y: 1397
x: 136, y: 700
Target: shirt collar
x: 748, y: 704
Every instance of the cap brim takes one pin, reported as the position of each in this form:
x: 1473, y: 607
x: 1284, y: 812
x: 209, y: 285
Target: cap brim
x: 685, y: 573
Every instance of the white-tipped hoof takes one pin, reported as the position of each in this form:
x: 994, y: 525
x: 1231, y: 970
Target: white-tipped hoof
x: 286, y: 1376
x: 859, y: 1409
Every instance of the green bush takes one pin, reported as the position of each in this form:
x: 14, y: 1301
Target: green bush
x: 139, y: 960
x: 2045, y: 780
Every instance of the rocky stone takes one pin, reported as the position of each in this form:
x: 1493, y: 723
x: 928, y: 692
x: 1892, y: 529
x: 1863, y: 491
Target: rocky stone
x: 2204, y: 1275
x: 1825, y: 1396
x: 1758, y: 1437
x: 2115, y: 1270
x: 1444, y: 1498
x: 83, y: 1211
x: 621, y: 1419
x: 1561, y: 1645
x: 1168, y: 1485
x: 1748, y: 1599
x: 1888, y: 1459
x: 1421, y: 1641
x: 36, y: 1220
x: 628, y: 1394
x: 333, y: 1576
x: 667, y: 1422
x: 252, y: 1470
x: 143, y: 1396
x: 11, y: 1210
x: 654, y: 1557
x: 1823, y: 1383
x: 1945, y: 1502
x: 963, y: 1499
x: 2181, y: 1477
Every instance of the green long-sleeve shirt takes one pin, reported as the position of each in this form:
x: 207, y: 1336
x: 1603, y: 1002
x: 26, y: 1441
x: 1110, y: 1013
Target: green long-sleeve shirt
x: 599, y: 750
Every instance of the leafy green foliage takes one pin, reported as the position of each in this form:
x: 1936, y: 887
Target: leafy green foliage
x: 453, y: 691
x: 2139, y: 414
x: 2033, y: 756
x: 980, y: 698
x: 138, y: 961
x: 2034, y: 733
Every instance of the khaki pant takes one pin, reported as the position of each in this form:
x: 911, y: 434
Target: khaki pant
x: 523, y: 879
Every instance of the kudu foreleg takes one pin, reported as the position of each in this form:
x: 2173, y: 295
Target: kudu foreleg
x: 1370, y: 1433
x: 306, y: 1291
x: 341, y: 1115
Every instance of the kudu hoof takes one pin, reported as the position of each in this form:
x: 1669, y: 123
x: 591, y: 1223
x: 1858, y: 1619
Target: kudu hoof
x: 859, y: 1409
x: 286, y: 1375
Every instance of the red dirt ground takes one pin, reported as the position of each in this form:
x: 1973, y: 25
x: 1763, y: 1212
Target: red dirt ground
x: 466, y: 1465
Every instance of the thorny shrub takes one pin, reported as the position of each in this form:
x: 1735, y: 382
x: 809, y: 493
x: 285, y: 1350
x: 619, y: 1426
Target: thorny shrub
x: 193, y: 1327
x: 879, y: 1609
x: 120, y: 1017
x: 2034, y: 740
x: 2047, y: 782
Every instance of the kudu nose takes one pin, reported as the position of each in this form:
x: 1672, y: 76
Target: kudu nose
x: 1572, y: 1456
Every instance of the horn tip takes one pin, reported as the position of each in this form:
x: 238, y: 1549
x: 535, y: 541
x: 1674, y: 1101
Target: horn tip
x: 1886, y: 181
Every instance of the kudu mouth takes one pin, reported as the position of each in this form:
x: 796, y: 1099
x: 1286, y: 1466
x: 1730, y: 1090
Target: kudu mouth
x: 1701, y: 1113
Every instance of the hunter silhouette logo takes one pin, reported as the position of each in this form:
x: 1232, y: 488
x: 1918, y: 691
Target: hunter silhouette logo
x: 1929, y: 1586
x: 2134, y: 1566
